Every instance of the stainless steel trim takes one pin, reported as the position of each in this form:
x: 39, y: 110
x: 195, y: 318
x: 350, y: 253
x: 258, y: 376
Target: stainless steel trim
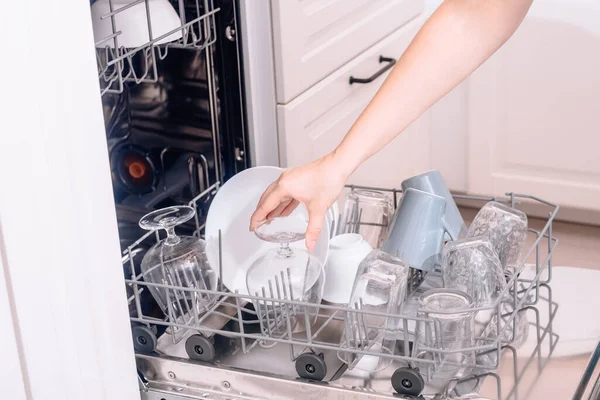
x: 259, y: 80
x: 203, y: 381
x: 589, y: 387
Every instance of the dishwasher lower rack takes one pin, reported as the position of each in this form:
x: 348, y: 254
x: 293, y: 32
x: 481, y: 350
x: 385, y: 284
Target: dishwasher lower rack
x: 231, y: 331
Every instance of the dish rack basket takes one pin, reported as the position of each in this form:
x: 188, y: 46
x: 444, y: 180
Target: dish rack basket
x: 118, y: 65
x: 201, y: 375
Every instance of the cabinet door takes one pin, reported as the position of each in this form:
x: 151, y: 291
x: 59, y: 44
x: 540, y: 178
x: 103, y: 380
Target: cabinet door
x: 313, y: 124
x: 533, y: 109
x: 313, y: 38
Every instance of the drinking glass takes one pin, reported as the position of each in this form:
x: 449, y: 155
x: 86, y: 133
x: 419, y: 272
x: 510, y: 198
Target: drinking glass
x: 380, y: 286
x: 368, y: 213
x: 446, y: 323
x: 472, y: 265
x: 178, y: 261
x: 505, y: 227
x: 285, y: 273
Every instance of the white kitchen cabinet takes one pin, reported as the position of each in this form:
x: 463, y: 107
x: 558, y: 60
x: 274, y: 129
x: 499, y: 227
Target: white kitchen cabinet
x: 313, y: 38
x: 314, y: 123
x: 534, y: 109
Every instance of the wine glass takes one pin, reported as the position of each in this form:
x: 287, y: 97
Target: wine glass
x: 285, y: 273
x: 179, y: 262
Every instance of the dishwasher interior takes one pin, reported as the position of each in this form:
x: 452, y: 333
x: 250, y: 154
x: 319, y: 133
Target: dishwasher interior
x: 174, y: 115
x: 173, y: 112
x: 226, y: 352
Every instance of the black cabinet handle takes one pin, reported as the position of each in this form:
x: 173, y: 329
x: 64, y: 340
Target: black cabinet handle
x: 390, y: 63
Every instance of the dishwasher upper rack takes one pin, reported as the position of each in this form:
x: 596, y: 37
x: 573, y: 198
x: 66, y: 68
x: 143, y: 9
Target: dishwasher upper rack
x: 520, y: 293
x: 117, y: 64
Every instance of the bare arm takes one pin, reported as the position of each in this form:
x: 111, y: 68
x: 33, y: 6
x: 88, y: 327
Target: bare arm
x: 458, y: 38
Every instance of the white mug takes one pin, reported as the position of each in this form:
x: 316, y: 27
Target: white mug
x: 346, y: 251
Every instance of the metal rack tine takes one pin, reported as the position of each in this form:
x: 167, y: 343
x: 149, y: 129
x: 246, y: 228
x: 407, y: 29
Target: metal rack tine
x: 266, y: 310
x: 288, y: 317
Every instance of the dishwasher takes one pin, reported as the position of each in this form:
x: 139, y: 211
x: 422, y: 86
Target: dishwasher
x: 175, y: 124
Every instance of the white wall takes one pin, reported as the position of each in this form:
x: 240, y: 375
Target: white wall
x: 11, y: 368
x: 60, y: 243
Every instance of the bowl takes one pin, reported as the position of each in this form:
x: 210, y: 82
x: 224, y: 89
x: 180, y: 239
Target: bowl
x: 346, y: 251
x: 133, y: 22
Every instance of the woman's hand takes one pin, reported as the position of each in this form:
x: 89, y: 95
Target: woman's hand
x: 457, y: 38
x: 316, y: 185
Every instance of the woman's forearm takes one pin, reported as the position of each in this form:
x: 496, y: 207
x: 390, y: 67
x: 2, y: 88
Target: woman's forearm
x: 458, y: 38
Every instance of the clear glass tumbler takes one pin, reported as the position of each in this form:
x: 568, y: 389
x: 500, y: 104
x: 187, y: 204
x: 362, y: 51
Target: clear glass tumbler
x: 472, y: 265
x: 445, y: 327
x: 380, y: 286
x: 368, y: 213
x: 505, y: 227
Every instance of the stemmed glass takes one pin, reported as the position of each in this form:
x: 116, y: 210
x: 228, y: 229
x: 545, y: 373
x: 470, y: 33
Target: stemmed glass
x: 179, y: 262
x: 285, y: 273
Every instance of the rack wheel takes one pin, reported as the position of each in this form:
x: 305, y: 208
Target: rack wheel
x: 407, y: 381
x: 311, y: 366
x: 200, y: 348
x: 144, y: 339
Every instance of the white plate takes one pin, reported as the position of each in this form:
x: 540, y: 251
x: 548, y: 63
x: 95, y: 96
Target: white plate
x: 230, y: 211
x: 576, y: 322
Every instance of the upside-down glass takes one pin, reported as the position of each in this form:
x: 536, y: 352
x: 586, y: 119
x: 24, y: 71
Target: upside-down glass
x: 178, y: 261
x: 380, y: 286
x: 505, y: 227
x: 472, y: 265
x: 447, y: 324
x: 284, y: 273
x: 368, y: 213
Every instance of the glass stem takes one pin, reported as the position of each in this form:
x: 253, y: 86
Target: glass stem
x: 285, y: 251
x: 172, y: 238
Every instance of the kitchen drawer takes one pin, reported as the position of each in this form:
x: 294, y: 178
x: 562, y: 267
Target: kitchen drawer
x: 313, y: 38
x: 313, y: 124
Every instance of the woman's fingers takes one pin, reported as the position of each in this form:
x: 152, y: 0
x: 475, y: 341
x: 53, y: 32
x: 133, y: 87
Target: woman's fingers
x: 277, y: 212
x: 315, y: 224
x: 269, y: 201
x: 290, y: 208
